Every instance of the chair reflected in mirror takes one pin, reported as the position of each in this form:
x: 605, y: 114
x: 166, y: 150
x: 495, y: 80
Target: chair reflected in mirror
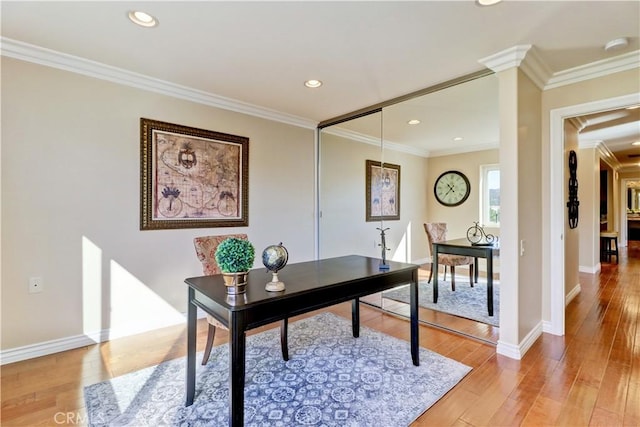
x: 437, y: 232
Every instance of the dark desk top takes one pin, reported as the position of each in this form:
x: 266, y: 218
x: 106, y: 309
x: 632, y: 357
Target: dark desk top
x: 299, y: 279
x: 465, y: 244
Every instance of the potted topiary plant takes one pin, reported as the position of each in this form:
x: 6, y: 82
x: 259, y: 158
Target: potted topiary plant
x: 235, y: 258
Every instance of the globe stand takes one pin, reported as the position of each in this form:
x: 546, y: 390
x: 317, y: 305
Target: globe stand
x: 275, y: 285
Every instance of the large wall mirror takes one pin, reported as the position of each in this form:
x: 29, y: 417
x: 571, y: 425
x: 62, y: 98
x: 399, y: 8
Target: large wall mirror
x: 420, y: 133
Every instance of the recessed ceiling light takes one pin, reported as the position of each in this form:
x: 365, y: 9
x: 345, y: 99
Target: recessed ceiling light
x: 616, y: 44
x: 313, y: 83
x: 143, y: 19
x: 488, y: 2
x: 635, y: 143
x: 458, y: 138
x: 414, y: 122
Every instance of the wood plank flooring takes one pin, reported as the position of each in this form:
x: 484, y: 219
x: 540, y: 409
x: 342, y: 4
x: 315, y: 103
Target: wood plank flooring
x: 589, y: 377
x: 470, y: 328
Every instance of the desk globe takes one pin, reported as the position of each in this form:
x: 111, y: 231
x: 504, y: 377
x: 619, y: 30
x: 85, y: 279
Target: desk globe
x: 275, y: 257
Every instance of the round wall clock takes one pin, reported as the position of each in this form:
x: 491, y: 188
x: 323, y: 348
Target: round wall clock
x: 452, y: 188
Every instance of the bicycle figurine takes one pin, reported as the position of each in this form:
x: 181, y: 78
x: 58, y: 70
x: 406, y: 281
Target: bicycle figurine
x: 476, y: 233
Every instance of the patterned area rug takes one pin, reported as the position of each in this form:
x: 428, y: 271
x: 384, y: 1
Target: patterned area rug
x: 467, y: 302
x: 331, y: 379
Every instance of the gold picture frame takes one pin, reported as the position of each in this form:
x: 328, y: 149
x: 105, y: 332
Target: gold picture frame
x: 192, y: 178
x: 382, y: 191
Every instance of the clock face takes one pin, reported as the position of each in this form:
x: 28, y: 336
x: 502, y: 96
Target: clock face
x: 452, y: 188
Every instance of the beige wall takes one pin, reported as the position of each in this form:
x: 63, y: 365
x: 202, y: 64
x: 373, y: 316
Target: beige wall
x: 70, y: 204
x: 458, y: 218
x: 343, y: 229
x: 509, y: 215
x: 520, y: 227
x: 407, y: 236
x: 587, y: 235
x: 529, y: 205
x: 572, y: 238
x: 70, y: 199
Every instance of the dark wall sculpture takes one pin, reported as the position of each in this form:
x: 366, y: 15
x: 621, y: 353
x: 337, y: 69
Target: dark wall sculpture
x: 573, y: 202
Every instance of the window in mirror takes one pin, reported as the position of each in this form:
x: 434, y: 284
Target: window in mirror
x: 490, y: 197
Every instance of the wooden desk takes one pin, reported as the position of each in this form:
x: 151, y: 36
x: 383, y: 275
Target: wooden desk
x: 464, y: 247
x: 309, y: 286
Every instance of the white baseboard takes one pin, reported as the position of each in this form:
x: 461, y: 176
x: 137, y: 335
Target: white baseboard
x: 518, y: 351
x: 591, y: 270
x: 46, y: 348
x: 547, y: 325
x: 572, y: 294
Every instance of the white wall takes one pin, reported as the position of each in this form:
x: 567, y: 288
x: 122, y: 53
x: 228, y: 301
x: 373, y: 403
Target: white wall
x: 71, y: 202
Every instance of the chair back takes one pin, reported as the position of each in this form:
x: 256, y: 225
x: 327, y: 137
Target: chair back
x: 206, y: 247
x: 436, y: 232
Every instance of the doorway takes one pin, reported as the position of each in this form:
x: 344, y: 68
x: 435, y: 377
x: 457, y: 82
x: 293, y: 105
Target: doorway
x: 555, y: 286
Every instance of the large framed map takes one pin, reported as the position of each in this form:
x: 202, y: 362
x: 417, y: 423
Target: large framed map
x: 192, y: 178
x: 382, y: 188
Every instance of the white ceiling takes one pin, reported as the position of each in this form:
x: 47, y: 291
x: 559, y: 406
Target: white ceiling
x: 468, y: 110
x: 365, y: 52
x: 616, y: 130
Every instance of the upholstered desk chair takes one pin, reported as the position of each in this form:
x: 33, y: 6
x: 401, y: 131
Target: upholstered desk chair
x: 437, y: 232
x: 206, y: 250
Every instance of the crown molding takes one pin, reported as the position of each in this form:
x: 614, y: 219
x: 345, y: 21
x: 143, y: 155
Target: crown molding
x: 536, y: 69
x: 520, y: 55
x: 506, y: 59
x: 407, y: 149
x: 625, y: 62
x: 527, y: 58
x: 578, y: 122
x: 523, y: 56
x: 355, y: 136
x: 54, y: 59
x: 589, y: 143
x: 466, y: 149
x: 359, y: 137
x: 366, y: 139
x: 605, y: 154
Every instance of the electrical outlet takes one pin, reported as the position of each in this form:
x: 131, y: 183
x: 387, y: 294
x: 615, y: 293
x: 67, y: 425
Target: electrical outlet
x: 36, y: 285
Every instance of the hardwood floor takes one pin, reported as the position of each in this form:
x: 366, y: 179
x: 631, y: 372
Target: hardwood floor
x: 467, y: 327
x: 591, y: 376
